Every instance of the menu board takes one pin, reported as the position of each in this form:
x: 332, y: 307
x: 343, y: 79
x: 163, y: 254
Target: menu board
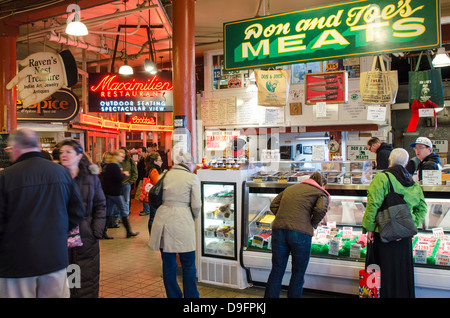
x: 219, y: 111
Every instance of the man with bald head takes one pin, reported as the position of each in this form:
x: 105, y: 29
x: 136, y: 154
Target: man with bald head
x: 39, y: 203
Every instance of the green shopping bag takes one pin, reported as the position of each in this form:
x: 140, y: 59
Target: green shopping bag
x: 426, y: 85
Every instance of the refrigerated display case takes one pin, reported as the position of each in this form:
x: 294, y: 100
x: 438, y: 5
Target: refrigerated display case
x: 219, y: 228
x: 338, y: 247
x: 219, y: 219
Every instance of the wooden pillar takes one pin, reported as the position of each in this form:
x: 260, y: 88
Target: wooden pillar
x: 184, y: 63
x: 8, y: 37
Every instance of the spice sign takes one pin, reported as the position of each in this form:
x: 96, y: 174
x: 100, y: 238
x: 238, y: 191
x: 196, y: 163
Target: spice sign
x: 334, y: 31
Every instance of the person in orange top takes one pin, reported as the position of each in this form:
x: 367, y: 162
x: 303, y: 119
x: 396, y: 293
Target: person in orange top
x: 153, y: 163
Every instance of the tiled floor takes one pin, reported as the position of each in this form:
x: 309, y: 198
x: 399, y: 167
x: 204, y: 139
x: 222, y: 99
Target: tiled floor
x: 130, y: 269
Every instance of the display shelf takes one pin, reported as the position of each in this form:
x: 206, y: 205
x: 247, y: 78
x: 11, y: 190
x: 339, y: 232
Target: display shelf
x: 340, y: 235
x: 219, y: 218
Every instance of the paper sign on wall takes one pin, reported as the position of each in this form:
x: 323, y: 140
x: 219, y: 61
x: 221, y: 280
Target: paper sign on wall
x: 376, y: 113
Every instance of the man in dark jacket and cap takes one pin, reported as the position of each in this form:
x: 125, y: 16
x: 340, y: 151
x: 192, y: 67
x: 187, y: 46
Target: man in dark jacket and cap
x: 39, y: 204
x: 383, y: 151
x: 428, y: 159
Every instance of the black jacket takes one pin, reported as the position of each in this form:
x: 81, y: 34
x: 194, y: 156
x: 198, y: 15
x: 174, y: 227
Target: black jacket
x: 383, y: 153
x: 38, y: 200
x: 431, y: 162
x: 91, y: 229
x: 112, y: 179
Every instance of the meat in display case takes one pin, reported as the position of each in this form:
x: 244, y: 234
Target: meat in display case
x: 338, y: 249
x: 219, y: 219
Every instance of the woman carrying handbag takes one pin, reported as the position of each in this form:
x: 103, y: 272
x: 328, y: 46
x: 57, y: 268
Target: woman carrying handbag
x: 173, y: 230
x: 394, y: 258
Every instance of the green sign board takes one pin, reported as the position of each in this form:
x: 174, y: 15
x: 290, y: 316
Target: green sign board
x: 334, y: 31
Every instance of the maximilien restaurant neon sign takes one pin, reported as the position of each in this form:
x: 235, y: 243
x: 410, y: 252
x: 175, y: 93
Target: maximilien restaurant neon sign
x: 141, y: 92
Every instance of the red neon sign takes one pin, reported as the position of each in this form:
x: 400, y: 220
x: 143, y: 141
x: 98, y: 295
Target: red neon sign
x: 110, y: 83
x: 143, y: 120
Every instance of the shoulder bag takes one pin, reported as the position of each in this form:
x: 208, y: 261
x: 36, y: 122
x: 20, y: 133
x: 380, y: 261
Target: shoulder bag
x: 378, y: 86
x: 155, y: 195
x: 394, y: 218
x: 145, y: 188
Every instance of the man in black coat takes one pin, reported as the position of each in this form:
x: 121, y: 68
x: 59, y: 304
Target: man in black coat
x: 383, y: 151
x: 39, y: 203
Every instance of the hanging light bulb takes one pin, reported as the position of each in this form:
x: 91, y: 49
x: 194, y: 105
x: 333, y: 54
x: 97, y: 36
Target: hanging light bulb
x: 441, y: 59
x: 125, y: 69
x: 150, y: 66
x: 76, y: 27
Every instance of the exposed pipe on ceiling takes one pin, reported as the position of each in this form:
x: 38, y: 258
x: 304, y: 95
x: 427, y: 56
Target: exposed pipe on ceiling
x: 88, y: 22
x: 76, y: 43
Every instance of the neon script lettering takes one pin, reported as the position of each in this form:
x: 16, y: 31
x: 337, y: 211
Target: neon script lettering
x: 111, y: 83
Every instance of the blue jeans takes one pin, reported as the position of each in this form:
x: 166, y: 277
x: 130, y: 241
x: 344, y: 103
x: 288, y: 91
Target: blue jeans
x: 116, y: 200
x: 285, y: 242
x: 169, y: 266
x: 125, y: 193
x: 126, y: 190
x: 151, y: 217
x: 145, y: 207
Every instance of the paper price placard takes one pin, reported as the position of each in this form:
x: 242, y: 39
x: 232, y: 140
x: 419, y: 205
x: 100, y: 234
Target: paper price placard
x: 376, y: 113
x: 438, y: 232
x: 431, y: 177
x: 426, y: 112
x: 355, y: 250
x: 333, y: 248
x: 420, y: 256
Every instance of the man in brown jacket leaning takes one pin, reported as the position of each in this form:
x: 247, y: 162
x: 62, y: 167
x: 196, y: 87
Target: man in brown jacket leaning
x: 298, y: 210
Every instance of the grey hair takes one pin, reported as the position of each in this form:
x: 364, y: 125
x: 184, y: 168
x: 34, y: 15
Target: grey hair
x: 183, y: 157
x: 398, y: 156
x: 24, y: 138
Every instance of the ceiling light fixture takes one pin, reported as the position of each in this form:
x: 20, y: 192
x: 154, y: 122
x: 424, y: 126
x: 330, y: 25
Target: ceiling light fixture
x: 76, y: 27
x: 150, y: 66
x: 441, y: 59
x: 126, y: 69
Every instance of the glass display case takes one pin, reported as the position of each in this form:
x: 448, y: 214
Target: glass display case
x: 341, y: 229
x: 219, y: 219
x: 336, y: 172
x: 339, y: 247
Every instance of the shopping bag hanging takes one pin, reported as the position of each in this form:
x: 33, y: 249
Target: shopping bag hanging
x: 378, y: 86
x: 426, y: 85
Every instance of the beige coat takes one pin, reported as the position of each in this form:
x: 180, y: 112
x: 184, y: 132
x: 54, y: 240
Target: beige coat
x: 173, y: 229
x: 300, y: 207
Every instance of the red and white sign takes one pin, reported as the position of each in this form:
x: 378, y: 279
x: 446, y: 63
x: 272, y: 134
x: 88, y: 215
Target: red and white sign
x: 142, y: 120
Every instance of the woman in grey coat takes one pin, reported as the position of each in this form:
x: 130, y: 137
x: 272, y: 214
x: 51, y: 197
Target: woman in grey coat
x: 173, y: 230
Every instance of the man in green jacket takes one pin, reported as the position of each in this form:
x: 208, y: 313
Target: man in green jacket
x: 129, y: 165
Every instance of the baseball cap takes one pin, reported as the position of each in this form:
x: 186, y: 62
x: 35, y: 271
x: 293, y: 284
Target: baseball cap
x: 422, y: 141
